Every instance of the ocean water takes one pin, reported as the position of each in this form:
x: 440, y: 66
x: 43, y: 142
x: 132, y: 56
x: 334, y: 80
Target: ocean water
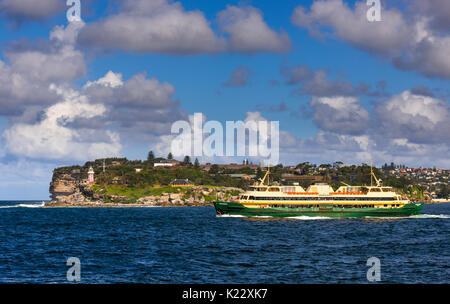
x: 193, y: 245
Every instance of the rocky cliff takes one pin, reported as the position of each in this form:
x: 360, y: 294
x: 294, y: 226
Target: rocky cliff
x: 70, y: 188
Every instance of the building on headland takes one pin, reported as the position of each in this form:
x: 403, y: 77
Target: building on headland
x: 181, y: 183
x: 166, y: 163
x: 91, y: 175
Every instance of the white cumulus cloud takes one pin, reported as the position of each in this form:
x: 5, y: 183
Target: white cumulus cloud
x: 52, y: 139
x: 411, y: 39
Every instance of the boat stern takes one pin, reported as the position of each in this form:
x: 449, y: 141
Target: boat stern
x: 227, y: 207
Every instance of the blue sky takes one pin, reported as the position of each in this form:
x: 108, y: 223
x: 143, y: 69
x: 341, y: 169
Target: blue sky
x: 335, y: 112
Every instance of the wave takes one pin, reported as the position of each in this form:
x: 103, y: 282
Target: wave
x: 312, y: 218
x: 38, y: 205
x: 309, y: 218
x: 427, y: 216
x: 419, y: 216
x: 305, y: 218
x: 231, y: 215
x: 31, y: 205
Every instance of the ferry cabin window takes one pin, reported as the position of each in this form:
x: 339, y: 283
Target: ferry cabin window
x: 303, y: 198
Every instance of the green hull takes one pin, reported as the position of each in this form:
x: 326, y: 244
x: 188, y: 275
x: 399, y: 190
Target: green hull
x: 228, y: 208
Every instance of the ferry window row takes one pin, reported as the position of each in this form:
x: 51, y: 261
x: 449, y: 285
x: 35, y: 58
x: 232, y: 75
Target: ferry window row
x: 286, y: 198
x: 293, y: 206
x: 317, y: 206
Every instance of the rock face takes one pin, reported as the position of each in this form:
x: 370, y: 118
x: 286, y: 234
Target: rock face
x: 69, y: 189
x: 198, y: 197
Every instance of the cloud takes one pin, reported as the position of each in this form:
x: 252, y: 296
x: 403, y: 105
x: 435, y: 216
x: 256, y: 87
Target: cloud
x: 422, y: 90
x: 407, y: 128
x: 153, y: 27
x: 342, y: 115
x: 248, y: 33
x: 111, y: 79
x: 50, y: 138
x: 429, y: 56
x: 31, y: 10
x: 165, y: 27
x: 438, y: 12
x: 89, y: 122
x: 295, y: 75
x: 139, y: 108
x: 18, y: 92
x: 408, y: 40
x: 319, y: 85
x: 31, y: 67
x: 316, y: 83
x: 415, y: 117
x: 352, y: 25
x: 58, y: 62
x: 240, y: 77
x: 326, y: 147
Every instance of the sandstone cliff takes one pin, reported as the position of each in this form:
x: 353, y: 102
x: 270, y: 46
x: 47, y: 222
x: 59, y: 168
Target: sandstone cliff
x: 70, y: 188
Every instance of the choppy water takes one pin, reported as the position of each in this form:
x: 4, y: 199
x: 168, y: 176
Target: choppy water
x: 192, y: 245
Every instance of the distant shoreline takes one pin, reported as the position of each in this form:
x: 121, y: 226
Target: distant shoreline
x: 116, y: 205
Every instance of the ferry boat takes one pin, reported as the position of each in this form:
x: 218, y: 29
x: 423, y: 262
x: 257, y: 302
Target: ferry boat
x: 319, y: 200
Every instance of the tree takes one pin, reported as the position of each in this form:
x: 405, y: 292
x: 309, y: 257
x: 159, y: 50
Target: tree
x: 170, y: 156
x: 187, y: 160
x: 214, y: 169
x: 259, y: 173
x: 196, y: 163
x: 444, y: 191
x: 150, y: 156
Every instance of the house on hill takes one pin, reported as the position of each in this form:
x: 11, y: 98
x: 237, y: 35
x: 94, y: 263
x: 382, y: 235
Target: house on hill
x: 181, y: 183
x: 166, y: 163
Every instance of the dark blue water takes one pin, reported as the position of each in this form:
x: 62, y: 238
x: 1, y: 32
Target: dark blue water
x: 192, y: 245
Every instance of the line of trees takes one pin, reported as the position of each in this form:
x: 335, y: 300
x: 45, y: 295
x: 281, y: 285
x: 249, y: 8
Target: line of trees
x: 186, y: 161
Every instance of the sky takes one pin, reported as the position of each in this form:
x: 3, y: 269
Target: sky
x: 113, y: 83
